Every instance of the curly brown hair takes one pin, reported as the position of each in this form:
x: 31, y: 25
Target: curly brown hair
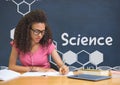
x: 22, y: 35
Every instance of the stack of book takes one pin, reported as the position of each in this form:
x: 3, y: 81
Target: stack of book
x: 94, y: 72
x: 115, y: 74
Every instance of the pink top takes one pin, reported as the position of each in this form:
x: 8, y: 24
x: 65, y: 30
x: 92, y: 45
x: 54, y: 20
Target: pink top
x: 38, y: 58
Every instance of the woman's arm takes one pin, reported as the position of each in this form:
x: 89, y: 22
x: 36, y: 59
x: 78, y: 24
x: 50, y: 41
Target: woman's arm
x: 62, y: 68
x: 13, y: 59
x: 15, y: 67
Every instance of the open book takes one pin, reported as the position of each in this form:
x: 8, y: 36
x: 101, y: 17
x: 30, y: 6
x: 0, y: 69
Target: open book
x: 9, y: 74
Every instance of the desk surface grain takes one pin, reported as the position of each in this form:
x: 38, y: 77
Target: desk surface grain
x: 57, y: 80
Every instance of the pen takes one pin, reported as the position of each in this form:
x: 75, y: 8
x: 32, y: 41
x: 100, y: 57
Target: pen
x: 63, y: 63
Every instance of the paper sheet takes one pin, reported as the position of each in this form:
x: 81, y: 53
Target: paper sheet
x: 45, y: 74
x: 8, y: 74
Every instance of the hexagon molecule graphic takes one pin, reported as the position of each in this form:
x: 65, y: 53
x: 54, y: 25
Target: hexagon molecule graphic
x: 23, y: 8
x: 70, y: 57
x: 96, y: 57
x: 12, y: 33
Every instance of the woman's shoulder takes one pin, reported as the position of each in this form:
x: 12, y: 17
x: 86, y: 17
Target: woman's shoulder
x: 12, y: 43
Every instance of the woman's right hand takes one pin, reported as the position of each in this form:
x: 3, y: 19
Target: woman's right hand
x: 64, y: 69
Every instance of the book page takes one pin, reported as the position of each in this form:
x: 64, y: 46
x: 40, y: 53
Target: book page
x: 33, y: 74
x: 8, y: 74
x: 45, y: 74
x: 58, y: 74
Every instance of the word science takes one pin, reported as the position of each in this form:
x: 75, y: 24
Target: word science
x: 85, y: 41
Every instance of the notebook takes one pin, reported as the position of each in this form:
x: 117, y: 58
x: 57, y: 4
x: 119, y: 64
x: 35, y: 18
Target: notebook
x: 89, y: 77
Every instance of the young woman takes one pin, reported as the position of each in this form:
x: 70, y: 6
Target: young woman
x: 33, y: 44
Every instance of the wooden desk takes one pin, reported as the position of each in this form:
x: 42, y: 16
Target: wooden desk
x: 57, y: 80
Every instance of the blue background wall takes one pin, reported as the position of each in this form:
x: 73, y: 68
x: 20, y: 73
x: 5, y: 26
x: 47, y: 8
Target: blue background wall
x: 90, y: 18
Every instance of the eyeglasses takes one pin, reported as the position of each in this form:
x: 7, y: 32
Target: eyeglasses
x: 37, y: 32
